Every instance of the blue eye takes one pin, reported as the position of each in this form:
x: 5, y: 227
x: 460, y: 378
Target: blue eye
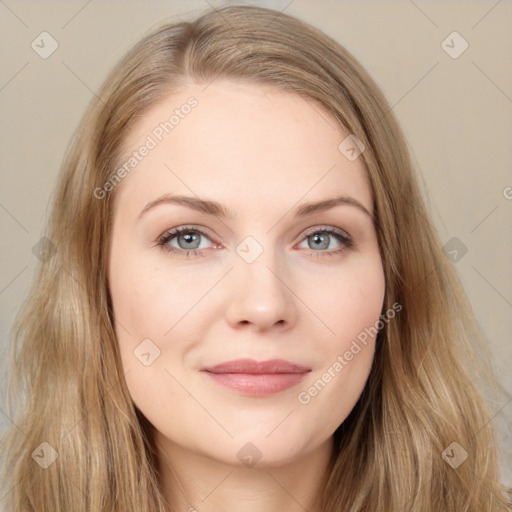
x: 188, y: 241
x: 321, y: 240
x: 186, y: 237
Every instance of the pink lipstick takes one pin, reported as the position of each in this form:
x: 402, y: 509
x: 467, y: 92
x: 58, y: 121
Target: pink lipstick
x: 257, y: 378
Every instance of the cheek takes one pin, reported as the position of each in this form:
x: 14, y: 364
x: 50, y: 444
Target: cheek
x: 351, y: 302
x: 353, y: 308
x: 158, y: 315
x: 148, y: 308
x: 151, y: 302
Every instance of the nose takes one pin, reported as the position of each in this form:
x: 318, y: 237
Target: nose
x: 262, y: 296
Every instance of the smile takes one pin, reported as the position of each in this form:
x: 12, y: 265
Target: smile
x: 257, y: 378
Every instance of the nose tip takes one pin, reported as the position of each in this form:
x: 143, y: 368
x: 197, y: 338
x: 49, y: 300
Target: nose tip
x: 260, y: 297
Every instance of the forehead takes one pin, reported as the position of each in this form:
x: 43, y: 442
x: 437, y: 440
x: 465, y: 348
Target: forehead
x: 241, y: 143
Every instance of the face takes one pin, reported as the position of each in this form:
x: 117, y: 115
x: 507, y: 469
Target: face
x: 251, y: 275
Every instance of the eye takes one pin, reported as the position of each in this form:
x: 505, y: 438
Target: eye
x: 320, y: 238
x: 185, y: 240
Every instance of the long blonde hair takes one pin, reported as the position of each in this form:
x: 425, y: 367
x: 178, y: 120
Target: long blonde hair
x: 66, y: 377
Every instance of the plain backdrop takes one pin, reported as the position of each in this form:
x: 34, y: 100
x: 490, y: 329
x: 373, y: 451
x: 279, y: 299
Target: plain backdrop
x: 454, y: 106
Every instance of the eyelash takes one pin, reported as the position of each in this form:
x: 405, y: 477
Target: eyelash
x: 346, y: 241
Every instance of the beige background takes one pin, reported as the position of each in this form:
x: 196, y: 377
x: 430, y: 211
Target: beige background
x: 456, y: 114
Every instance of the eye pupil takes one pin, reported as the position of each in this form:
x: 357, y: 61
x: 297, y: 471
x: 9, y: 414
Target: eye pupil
x: 323, y: 240
x: 189, y: 238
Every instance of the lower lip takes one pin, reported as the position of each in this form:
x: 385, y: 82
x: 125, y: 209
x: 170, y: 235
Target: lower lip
x: 258, y: 384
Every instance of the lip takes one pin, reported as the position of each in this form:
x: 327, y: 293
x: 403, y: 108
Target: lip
x: 255, y: 378
x: 250, y: 366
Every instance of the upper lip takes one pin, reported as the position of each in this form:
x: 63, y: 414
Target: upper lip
x: 250, y: 366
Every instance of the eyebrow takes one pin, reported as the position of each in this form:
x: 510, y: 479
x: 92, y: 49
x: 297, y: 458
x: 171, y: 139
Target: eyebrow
x: 218, y: 210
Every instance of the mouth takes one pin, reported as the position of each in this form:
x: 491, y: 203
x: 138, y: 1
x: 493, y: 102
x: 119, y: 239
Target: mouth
x: 255, y: 378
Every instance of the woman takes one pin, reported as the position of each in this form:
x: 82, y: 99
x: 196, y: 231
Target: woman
x: 243, y: 302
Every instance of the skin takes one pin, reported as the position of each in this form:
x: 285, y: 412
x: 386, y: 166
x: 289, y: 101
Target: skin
x: 262, y: 153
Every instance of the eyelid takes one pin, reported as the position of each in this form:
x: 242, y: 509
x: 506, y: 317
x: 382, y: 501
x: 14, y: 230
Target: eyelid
x: 328, y: 228
x: 189, y: 227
